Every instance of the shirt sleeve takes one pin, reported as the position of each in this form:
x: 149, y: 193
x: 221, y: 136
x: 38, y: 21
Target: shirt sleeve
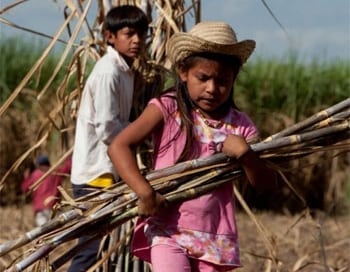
x: 107, y: 108
x: 247, y: 128
x: 27, y: 182
x: 166, y: 104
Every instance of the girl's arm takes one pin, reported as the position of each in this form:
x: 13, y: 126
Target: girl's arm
x: 121, y: 153
x: 258, y: 174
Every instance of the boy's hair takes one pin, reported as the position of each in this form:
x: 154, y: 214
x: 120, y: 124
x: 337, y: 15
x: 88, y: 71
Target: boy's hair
x: 43, y: 160
x: 126, y: 16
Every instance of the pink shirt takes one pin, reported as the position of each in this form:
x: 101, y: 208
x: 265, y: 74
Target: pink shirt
x: 204, y: 226
x: 45, y: 196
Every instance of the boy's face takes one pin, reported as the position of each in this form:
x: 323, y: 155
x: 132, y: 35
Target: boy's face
x: 128, y: 42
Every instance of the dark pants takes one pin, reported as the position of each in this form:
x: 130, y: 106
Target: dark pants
x: 87, y: 256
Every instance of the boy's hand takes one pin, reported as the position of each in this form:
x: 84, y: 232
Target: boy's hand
x: 149, y: 205
x: 235, y: 146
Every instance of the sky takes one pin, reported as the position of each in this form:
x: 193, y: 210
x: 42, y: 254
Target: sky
x: 313, y: 29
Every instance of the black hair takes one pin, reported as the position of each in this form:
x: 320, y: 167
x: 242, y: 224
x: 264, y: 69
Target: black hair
x: 126, y: 16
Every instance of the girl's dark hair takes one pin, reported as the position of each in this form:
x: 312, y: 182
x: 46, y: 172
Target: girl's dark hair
x: 126, y: 16
x: 184, y: 102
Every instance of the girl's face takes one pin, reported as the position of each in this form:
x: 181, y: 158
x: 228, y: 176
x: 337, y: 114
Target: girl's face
x: 128, y: 42
x: 209, y: 83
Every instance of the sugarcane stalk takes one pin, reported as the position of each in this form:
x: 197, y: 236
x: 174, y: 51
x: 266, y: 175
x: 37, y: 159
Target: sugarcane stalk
x: 120, y: 250
x: 181, y: 167
x: 162, y: 179
x: 180, y: 196
x: 131, y: 227
x: 51, y: 225
x: 113, y: 239
x: 118, y: 219
x: 71, y: 233
x: 187, y: 165
x: 109, y: 224
x: 77, y: 213
x: 71, y: 215
x: 205, y: 178
x: 302, y: 137
x: 124, y: 234
x: 69, y: 254
x: 311, y: 120
x: 36, y: 232
x: 37, y: 255
x: 137, y: 265
x: 341, y: 116
x: 100, y: 215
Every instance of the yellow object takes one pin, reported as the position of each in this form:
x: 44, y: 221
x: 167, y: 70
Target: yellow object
x: 103, y: 181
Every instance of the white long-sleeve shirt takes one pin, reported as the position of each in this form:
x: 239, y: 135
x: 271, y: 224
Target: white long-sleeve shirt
x: 104, y: 111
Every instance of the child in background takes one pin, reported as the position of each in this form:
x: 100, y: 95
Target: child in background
x: 194, y: 119
x: 104, y: 111
x: 46, y: 195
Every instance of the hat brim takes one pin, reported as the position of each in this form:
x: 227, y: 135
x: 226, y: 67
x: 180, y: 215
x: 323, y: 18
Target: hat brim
x: 182, y: 45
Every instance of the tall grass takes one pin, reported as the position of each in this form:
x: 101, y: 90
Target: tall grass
x: 268, y: 89
x: 292, y: 87
x: 285, y: 85
x: 17, y: 57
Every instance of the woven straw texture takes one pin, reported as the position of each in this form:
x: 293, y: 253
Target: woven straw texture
x: 211, y: 37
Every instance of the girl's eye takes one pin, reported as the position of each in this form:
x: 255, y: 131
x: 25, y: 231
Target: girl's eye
x: 202, y: 78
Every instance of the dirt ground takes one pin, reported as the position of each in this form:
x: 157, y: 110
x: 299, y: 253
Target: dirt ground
x: 289, y: 243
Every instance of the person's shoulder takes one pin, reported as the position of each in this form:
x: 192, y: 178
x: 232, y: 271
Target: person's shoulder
x: 168, y: 98
x: 166, y: 101
x: 241, y: 116
x: 169, y: 95
x: 240, y: 113
x: 105, y: 61
x: 244, y: 124
x: 104, y: 67
x: 35, y: 174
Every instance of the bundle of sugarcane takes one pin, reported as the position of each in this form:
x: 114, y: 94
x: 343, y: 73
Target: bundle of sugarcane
x: 101, y: 212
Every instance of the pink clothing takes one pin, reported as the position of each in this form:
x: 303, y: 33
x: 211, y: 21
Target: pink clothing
x: 204, y: 227
x: 45, y: 196
x: 170, y: 257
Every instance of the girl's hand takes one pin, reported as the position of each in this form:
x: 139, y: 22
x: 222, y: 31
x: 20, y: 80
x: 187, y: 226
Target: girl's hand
x: 148, y: 205
x: 257, y: 172
x: 235, y: 146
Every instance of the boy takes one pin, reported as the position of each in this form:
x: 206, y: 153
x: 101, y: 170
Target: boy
x: 104, y: 110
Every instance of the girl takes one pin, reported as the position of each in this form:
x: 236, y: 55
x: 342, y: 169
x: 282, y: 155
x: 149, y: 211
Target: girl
x: 194, y: 119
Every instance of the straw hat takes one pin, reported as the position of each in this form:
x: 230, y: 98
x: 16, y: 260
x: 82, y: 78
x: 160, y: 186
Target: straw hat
x: 211, y: 37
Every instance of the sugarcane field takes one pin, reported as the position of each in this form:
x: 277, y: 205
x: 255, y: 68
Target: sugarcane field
x: 301, y: 109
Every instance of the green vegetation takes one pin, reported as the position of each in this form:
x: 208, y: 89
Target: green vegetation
x: 291, y: 87
x: 17, y: 58
x: 264, y: 86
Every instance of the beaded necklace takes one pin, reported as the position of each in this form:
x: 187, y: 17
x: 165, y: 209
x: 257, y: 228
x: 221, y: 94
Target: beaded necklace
x: 217, y: 124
